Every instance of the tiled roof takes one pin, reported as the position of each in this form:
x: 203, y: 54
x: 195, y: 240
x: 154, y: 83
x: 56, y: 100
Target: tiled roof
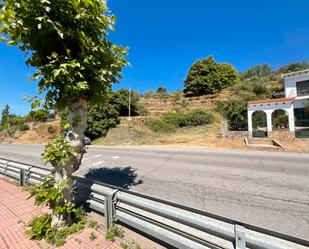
x: 270, y: 100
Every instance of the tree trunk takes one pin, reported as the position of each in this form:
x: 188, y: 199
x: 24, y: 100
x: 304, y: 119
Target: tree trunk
x: 78, y: 120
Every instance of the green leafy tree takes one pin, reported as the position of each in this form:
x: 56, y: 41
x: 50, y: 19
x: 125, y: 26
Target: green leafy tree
x: 40, y: 115
x: 120, y: 100
x: 5, y: 118
x: 257, y: 71
x: 100, y: 119
x: 293, y: 67
x: 162, y: 90
x: 67, y: 42
x: 235, y: 111
x: 207, y: 77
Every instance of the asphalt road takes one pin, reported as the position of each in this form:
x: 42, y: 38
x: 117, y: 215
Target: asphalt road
x: 267, y: 189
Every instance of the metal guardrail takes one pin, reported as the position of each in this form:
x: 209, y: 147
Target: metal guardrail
x: 176, y: 225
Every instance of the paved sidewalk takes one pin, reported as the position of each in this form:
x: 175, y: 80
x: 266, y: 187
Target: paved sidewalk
x: 16, y: 211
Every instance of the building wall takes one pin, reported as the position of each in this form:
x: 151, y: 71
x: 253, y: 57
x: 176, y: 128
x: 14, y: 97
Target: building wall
x: 301, y: 103
x: 290, y: 84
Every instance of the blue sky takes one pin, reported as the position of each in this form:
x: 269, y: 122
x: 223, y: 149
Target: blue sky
x: 166, y: 36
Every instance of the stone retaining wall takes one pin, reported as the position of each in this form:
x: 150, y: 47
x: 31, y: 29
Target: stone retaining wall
x: 226, y: 133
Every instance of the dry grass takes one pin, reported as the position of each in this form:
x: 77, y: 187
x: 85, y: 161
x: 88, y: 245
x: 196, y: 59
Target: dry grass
x: 204, y: 136
x: 142, y: 135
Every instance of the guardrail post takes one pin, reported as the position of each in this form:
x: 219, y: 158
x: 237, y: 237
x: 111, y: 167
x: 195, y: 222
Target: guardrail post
x: 109, y: 206
x: 240, y: 237
x: 22, y: 177
x: 6, y: 168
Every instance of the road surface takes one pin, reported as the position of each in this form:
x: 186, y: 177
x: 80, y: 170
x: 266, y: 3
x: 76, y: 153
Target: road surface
x: 267, y: 189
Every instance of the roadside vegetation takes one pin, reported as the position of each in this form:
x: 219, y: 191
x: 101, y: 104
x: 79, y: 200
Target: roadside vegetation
x: 171, y: 121
x: 11, y: 124
x: 229, y: 101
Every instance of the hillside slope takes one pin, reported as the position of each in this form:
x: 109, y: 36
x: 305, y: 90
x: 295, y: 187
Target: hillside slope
x: 40, y: 133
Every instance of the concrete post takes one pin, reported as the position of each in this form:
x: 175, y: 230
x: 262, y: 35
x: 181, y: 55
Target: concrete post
x: 269, y: 121
x: 291, y: 119
x: 250, y: 128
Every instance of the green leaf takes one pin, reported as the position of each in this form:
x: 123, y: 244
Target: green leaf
x: 82, y: 85
x: 56, y: 72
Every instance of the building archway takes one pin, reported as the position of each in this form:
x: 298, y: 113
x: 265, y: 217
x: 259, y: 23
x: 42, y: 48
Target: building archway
x: 259, y: 124
x: 269, y: 106
x: 280, y: 120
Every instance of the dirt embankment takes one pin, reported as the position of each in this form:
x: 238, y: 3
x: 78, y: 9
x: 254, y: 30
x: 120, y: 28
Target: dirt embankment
x: 39, y: 133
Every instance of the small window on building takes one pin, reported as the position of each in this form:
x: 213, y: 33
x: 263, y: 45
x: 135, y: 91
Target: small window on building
x: 302, y: 88
x: 301, y: 114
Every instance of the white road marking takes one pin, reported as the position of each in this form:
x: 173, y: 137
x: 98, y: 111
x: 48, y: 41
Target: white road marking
x: 116, y: 157
x: 97, y: 163
x: 92, y: 157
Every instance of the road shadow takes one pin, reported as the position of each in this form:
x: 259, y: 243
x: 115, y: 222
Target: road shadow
x: 123, y: 177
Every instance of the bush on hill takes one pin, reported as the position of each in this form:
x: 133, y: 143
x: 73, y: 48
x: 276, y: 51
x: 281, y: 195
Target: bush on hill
x: 170, y: 121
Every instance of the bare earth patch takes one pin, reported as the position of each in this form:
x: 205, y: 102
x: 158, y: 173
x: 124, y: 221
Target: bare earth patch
x: 39, y: 134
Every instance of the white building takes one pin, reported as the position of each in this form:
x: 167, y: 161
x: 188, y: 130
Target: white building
x: 295, y: 102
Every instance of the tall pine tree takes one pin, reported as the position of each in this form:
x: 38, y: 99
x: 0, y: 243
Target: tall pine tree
x: 5, y: 118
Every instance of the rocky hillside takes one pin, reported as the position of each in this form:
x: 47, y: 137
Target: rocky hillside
x: 157, y: 104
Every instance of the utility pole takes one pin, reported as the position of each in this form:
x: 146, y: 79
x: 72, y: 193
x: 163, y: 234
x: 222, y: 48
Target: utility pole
x: 129, y: 102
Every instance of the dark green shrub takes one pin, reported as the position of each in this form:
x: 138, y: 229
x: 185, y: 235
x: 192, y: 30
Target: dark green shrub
x: 159, y: 125
x: 100, y: 119
x: 177, y: 118
x: 198, y: 117
x: 162, y: 90
x: 259, y: 88
x: 170, y: 121
x: 233, y: 110
x: 24, y: 127
x: 41, y: 115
